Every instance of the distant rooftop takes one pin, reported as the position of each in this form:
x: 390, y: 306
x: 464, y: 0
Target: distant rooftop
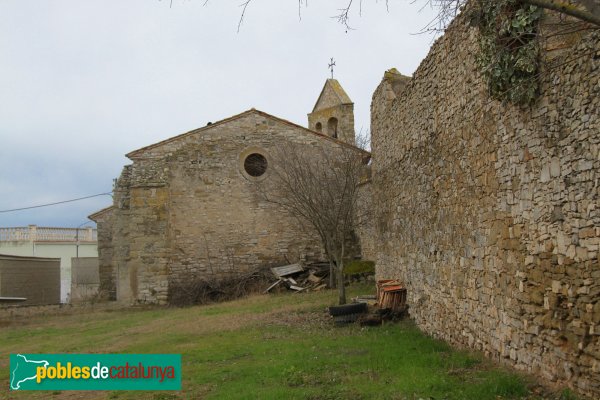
x: 34, y: 233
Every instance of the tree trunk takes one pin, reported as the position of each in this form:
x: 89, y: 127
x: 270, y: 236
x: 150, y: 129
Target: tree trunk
x: 340, y: 274
x: 589, y: 14
x: 340, y: 280
x: 331, y: 274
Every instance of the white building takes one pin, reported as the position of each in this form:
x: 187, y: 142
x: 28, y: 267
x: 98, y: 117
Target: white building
x: 62, y: 243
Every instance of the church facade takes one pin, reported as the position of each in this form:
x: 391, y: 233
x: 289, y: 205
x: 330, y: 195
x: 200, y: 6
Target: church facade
x: 190, y: 205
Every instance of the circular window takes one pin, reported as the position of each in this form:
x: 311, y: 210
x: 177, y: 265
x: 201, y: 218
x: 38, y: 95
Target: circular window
x: 255, y: 164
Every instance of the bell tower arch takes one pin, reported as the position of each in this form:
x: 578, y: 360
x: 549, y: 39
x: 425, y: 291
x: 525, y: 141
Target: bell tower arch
x: 333, y: 113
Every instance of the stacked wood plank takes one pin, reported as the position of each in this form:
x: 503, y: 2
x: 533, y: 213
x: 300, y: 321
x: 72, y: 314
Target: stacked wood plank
x: 391, y: 295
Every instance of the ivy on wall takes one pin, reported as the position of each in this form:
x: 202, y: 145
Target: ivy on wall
x: 509, y: 49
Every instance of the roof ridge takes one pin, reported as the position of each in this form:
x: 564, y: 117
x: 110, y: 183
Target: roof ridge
x: 99, y: 212
x: 137, y: 152
x: 319, y: 134
x: 188, y: 133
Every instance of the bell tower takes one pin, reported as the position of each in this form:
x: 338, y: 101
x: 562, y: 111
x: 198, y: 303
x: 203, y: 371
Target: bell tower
x: 333, y: 114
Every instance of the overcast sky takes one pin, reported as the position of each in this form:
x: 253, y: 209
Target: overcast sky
x: 84, y: 82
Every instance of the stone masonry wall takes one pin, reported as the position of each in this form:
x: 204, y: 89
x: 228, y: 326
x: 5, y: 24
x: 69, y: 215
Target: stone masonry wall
x: 186, y: 207
x: 489, y: 212
x: 345, y: 116
x: 333, y: 102
x: 365, y: 228
x: 140, y: 237
x: 106, y: 271
x: 219, y: 221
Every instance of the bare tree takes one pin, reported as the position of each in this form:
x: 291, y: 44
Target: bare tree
x: 319, y: 186
x: 583, y: 10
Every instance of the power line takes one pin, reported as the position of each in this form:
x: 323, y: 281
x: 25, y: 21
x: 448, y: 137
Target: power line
x: 58, y: 202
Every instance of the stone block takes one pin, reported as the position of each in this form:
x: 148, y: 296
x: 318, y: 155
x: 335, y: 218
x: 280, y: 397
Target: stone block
x: 556, y: 286
x: 545, y: 174
x: 555, y: 168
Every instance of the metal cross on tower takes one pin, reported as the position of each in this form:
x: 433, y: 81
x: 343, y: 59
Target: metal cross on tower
x: 331, y: 65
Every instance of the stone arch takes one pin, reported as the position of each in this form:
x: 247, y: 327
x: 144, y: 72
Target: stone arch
x: 332, y: 127
x: 319, y: 127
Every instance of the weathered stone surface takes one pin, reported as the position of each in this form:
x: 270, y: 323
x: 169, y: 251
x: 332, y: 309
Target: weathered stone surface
x: 188, y: 207
x: 488, y: 212
x: 333, y: 113
x: 107, y: 274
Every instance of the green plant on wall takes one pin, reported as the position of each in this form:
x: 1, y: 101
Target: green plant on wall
x: 509, y: 49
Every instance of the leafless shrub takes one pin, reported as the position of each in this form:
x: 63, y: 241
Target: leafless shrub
x: 192, y: 289
x: 319, y: 186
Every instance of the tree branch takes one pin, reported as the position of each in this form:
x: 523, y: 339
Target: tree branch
x: 244, y: 5
x: 568, y: 9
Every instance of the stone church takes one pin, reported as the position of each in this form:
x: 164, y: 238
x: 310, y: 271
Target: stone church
x: 189, y: 205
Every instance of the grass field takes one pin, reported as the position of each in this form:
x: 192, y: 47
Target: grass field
x: 267, y: 347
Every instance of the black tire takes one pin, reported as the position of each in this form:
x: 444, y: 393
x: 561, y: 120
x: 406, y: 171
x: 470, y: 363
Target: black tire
x: 346, y: 319
x: 347, y: 309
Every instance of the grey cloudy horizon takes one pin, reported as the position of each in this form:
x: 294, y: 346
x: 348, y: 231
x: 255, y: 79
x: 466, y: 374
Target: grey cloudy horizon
x: 84, y: 83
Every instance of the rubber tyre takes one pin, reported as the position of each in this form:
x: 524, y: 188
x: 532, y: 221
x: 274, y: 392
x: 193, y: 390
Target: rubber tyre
x: 348, y: 309
x: 346, y: 319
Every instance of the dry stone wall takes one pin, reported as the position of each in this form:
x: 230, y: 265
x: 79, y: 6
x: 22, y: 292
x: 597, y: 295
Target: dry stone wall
x: 365, y: 227
x: 489, y: 212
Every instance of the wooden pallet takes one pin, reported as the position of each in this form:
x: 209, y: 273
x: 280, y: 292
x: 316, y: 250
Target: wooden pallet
x: 391, y: 294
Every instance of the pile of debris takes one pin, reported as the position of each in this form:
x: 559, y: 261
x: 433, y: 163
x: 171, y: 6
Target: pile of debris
x: 388, y: 305
x: 301, y: 278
